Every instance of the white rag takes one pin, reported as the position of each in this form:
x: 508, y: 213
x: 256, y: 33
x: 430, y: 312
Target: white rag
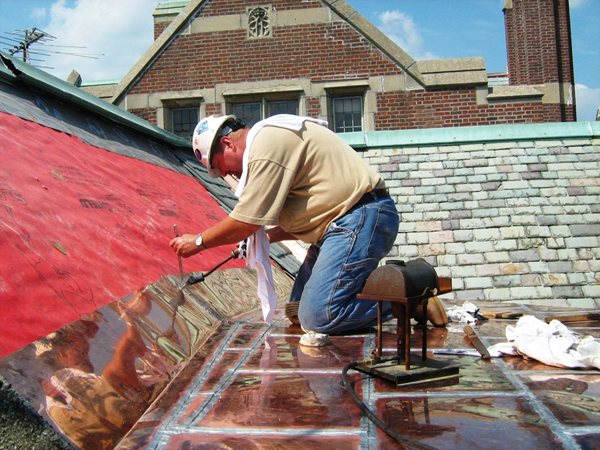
x: 550, y: 343
x: 258, y: 244
x: 465, y: 313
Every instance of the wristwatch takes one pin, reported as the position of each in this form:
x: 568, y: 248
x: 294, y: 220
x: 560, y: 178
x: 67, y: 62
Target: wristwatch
x: 200, y: 242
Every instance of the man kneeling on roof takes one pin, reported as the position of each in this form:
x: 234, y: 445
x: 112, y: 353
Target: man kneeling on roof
x: 303, y: 180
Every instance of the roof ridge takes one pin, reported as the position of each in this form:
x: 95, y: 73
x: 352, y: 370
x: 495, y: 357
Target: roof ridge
x: 346, y: 12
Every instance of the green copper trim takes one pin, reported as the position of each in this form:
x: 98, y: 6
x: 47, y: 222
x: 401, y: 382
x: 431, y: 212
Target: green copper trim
x: 473, y: 135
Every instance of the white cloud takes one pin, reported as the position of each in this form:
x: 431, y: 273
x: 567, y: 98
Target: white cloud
x: 588, y: 102
x: 401, y: 29
x: 38, y: 13
x: 577, y: 3
x: 120, y: 30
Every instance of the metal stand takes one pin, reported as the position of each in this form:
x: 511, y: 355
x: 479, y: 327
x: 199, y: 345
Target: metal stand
x: 420, y: 371
x: 380, y: 287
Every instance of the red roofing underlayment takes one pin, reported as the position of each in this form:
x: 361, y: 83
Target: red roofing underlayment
x: 81, y: 227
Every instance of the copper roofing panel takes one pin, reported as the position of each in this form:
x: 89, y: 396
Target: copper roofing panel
x: 254, y: 386
x: 93, y: 378
x: 228, y: 379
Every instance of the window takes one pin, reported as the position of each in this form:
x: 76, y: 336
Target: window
x: 283, y: 107
x: 248, y: 112
x: 183, y: 121
x: 253, y: 112
x: 347, y: 114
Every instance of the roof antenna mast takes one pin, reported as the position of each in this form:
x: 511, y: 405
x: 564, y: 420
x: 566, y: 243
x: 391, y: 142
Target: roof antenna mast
x: 26, y: 38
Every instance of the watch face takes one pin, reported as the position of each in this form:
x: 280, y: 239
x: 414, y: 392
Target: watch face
x: 199, y: 240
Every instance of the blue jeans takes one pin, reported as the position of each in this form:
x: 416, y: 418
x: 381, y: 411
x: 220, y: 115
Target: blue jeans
x: 336, y: 269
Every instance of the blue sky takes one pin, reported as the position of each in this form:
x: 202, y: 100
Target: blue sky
x: 119, y: 31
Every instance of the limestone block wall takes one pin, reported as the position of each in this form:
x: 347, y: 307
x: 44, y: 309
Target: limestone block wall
x: 510, y: 213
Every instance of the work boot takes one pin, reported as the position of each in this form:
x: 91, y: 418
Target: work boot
x: 291, y: 312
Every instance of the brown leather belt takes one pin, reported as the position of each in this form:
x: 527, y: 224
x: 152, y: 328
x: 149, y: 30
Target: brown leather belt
x: 372, y: 196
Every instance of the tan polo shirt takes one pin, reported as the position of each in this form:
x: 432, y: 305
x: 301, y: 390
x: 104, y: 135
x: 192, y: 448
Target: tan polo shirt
x: 302, y: 181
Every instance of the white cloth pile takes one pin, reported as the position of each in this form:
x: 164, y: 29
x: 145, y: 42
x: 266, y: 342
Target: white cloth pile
x: 468, y: 313
x: 550, y: 343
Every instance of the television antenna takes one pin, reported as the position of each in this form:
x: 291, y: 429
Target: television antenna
x: 33, y: 42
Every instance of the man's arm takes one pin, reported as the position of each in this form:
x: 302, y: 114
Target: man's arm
x: 277, y: 234
x: 228, y: 231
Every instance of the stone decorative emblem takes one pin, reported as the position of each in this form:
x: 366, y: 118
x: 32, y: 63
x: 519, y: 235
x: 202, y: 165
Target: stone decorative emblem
x: 259, y: 24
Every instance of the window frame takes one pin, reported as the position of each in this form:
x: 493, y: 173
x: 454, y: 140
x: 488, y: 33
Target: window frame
x: 349, y: 88
x: 265, y: 102
x: 173, y: 110
x: 334, y: 100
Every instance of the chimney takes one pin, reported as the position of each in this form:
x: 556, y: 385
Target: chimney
x: 538, y: 43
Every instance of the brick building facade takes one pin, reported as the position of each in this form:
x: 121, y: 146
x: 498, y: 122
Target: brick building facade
x: 538, y: 42
x: 323, y: 59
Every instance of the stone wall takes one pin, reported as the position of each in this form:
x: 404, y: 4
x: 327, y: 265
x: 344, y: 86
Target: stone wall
x: 510, y: 213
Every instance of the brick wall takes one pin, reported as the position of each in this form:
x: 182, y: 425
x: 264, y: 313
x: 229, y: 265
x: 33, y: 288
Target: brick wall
x: 224, y: 7
x: 538, y: 42
x: 514, y: 219
x: 159, y: 28
x: 213, y: 109
x: 316, y: 52
x: 313, y: 106
x: 335, y: 51
x: 146, y: 114
x: 458, y: 107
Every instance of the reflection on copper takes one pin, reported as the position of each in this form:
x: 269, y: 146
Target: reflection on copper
x: 459, y: 423
x: 476, y: 375
x: 95, y: 406
x: 436, y: 337
x: 248, y: 334
x: 132, y: 370
x: 295, y: 401
x: 573, y: 399
x: 226, y: 362
x: 212, y: 442
x: 408, y: 413
x: 286, y: 353
x: 93, y: 410
x: 589, y: 441
x: 519, y: 363
x: 99, y: 374
x: 495, y: 328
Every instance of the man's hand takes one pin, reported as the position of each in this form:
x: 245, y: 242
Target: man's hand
x: 227, y: 231
x: 185, y: 245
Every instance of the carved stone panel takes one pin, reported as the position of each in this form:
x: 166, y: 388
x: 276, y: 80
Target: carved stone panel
x: 259, y: 22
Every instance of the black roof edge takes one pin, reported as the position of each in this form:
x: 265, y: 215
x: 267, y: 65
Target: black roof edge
x: 33, y: 76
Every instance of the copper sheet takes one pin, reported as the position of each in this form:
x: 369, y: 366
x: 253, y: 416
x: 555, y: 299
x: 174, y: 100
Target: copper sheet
x: 264, y: 391
x: 94, y: 378
x: 253, y: 386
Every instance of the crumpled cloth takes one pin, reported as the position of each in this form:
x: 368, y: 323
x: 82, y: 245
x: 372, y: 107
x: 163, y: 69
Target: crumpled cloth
x: 257, y: 257
x: 550, y: 343
x: 468, y: 313
x: 257, y: 247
